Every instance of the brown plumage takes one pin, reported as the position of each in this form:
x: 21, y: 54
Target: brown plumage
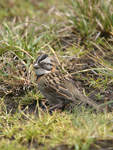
x: 55, y: 86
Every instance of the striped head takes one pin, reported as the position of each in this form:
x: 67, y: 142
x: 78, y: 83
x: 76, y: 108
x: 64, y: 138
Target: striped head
x: 43, y: 65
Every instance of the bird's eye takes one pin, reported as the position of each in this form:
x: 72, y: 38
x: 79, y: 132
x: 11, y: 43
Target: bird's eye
x: 44, y: 63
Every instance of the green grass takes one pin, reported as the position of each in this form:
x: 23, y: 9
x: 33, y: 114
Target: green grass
x: 79, y: 34
x: 47, y: 131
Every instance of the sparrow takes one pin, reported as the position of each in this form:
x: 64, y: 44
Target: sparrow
x: 57, y: 87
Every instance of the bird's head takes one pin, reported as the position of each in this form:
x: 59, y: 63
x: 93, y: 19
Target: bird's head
x: 43, y: 65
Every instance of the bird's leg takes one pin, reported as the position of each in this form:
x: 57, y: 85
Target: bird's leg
x: 59, y: 106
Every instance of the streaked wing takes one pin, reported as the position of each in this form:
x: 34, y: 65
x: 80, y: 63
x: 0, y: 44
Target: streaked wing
x: 59, y: 91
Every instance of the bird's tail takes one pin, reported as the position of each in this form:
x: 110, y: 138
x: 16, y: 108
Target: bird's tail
x: 95, y: 105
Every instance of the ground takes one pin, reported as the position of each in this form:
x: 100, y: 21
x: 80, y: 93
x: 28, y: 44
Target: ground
x: 78, y: 37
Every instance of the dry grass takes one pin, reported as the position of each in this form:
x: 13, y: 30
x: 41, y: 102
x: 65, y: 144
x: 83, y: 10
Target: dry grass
x: 77, y: 35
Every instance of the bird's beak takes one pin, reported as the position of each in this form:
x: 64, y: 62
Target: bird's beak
x: 36, y: 66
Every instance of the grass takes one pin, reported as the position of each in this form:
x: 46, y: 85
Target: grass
x: 46, y: 131
x: 77, y: 35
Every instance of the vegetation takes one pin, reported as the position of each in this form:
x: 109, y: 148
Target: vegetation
x: 78, y: 36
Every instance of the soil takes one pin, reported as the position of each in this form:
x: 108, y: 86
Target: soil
x: 73, y: 65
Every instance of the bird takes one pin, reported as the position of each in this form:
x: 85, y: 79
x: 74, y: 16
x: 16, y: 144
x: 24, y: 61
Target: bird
x: 57, y: 87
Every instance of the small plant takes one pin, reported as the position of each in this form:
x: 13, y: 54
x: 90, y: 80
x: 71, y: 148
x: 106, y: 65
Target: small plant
x: 99, y: 96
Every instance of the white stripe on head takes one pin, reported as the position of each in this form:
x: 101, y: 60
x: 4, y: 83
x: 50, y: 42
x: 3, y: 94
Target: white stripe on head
x: 41, y: 71
x: 47, y: 60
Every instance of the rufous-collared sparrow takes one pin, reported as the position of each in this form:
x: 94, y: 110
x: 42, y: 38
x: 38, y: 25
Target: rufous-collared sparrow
x: 55, y: 86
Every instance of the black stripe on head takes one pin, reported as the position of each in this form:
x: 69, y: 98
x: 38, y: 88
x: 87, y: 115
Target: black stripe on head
x: 41, y: 57
x: 38, y: 76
